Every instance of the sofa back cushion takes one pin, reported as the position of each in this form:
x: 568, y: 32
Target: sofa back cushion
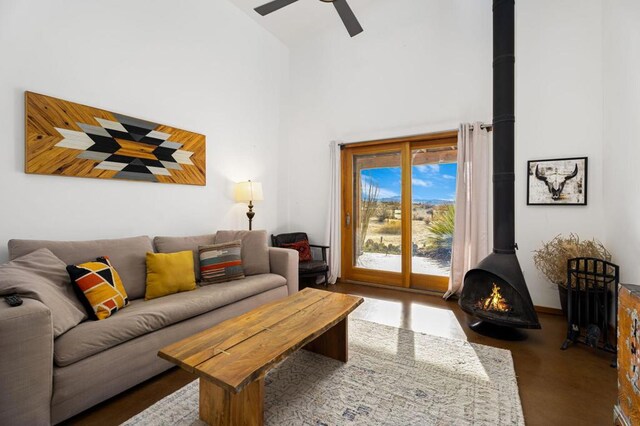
x: 127, y: 255
x: 176, y: 244
x: 42, y: 276
x: 255, y: 250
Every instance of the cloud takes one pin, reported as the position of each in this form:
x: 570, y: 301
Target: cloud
x: 421, y: 182
x: 368, y: 180
x: 448, y: 177
x: 428, y: 168
x: 382, y: 192
x: 385, y: 193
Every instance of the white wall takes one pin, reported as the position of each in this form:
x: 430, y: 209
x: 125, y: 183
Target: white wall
x: 199, y: 65
x: 621, y: 143
x: 425, y: 66
x: 558, y: 114
x: 420, y: 66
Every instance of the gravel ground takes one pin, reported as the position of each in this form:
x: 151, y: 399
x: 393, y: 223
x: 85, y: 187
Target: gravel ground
x: 392, y: 263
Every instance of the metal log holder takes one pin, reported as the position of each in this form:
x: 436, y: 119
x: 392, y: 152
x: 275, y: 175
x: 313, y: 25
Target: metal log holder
x: 592, y: 293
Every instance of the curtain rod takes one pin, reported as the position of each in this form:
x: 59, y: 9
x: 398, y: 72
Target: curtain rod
x: 484, y: 126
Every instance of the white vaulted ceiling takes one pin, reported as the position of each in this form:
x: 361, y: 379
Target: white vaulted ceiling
x: 304, y: 18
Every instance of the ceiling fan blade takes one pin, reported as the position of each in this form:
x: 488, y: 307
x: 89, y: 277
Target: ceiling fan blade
x: 348, y: 18
x: 272, y: 6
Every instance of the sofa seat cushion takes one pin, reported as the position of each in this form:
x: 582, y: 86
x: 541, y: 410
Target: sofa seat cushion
x: 142, y: 317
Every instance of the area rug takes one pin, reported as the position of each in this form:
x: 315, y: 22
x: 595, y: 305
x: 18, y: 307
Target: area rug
x: 393, y: 377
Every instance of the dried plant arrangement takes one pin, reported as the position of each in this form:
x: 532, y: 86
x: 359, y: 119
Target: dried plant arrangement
x: 552, y: 258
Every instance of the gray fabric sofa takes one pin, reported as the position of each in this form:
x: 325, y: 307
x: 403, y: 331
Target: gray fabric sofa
x: 46, y: 380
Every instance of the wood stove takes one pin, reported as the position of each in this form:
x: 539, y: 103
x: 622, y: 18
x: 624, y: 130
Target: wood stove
x: 495, y: 290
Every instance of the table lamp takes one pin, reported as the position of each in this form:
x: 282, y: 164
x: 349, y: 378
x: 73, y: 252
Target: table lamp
x: 249, y: 192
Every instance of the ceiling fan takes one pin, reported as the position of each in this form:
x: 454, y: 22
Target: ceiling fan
x: 345, y: 12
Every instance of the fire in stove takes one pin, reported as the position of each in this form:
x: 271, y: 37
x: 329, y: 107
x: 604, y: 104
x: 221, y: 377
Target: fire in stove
x: 495, y: 302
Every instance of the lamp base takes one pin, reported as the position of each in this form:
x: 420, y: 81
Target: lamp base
x: 250, y: 214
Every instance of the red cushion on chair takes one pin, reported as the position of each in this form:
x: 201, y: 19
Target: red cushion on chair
x: 303, y: 249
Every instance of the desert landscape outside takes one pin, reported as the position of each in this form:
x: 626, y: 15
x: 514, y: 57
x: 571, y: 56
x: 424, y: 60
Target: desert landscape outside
x: 379, y: 233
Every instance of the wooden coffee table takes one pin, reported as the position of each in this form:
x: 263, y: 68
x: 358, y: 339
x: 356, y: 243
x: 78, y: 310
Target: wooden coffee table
x: 232, y: 358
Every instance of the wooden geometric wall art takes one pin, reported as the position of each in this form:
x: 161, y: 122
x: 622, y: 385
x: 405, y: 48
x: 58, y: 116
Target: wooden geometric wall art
x: 69, y: 139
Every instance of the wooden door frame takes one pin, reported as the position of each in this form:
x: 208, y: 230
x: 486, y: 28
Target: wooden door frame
x: 403, y: 145
x: 348, y: 269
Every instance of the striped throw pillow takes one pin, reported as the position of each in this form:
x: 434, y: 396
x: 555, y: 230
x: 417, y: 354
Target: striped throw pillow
x: 221, y: 262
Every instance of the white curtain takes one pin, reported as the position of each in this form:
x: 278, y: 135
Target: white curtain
x: 471, y: 239
x: 333, y: 225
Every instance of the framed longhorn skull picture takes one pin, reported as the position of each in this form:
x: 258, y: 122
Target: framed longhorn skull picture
x: 561, y: 181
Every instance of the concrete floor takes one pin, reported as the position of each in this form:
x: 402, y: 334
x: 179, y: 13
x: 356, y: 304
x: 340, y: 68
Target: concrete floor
x: 573, y: 387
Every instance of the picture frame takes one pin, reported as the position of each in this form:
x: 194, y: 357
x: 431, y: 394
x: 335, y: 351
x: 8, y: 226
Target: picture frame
x: 557, y: 182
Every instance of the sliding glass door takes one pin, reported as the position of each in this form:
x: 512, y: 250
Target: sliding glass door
x: 378, y: 239
x: 398, y: 211
x: 433, y: 194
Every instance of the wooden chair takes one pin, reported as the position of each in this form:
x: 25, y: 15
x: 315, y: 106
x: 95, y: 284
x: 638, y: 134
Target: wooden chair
x: 311, y: 268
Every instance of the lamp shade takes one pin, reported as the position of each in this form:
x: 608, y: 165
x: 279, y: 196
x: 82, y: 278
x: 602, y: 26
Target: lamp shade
x: 249, y: 191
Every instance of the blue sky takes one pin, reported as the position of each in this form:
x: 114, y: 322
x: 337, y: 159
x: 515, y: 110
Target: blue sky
x: 429, y: 181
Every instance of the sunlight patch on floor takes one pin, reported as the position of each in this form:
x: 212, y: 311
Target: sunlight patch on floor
x: 424, y: 352
x: 411, y: 315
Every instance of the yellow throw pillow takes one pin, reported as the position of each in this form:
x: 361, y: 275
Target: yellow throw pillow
x: 169, y: 273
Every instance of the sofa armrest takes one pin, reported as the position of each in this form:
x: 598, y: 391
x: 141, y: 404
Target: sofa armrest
x: 285, y: 262
x: 26, y: 363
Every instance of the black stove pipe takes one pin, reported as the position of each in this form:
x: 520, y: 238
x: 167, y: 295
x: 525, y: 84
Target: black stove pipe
x: 503, y: 126
x: 502, y: 265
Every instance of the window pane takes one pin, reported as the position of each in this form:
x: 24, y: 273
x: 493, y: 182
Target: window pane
x: 378, y: 227
x: 433, y: 191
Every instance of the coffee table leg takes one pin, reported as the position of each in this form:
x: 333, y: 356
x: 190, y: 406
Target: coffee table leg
x: 333, y: 342
x: 219, y: 406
